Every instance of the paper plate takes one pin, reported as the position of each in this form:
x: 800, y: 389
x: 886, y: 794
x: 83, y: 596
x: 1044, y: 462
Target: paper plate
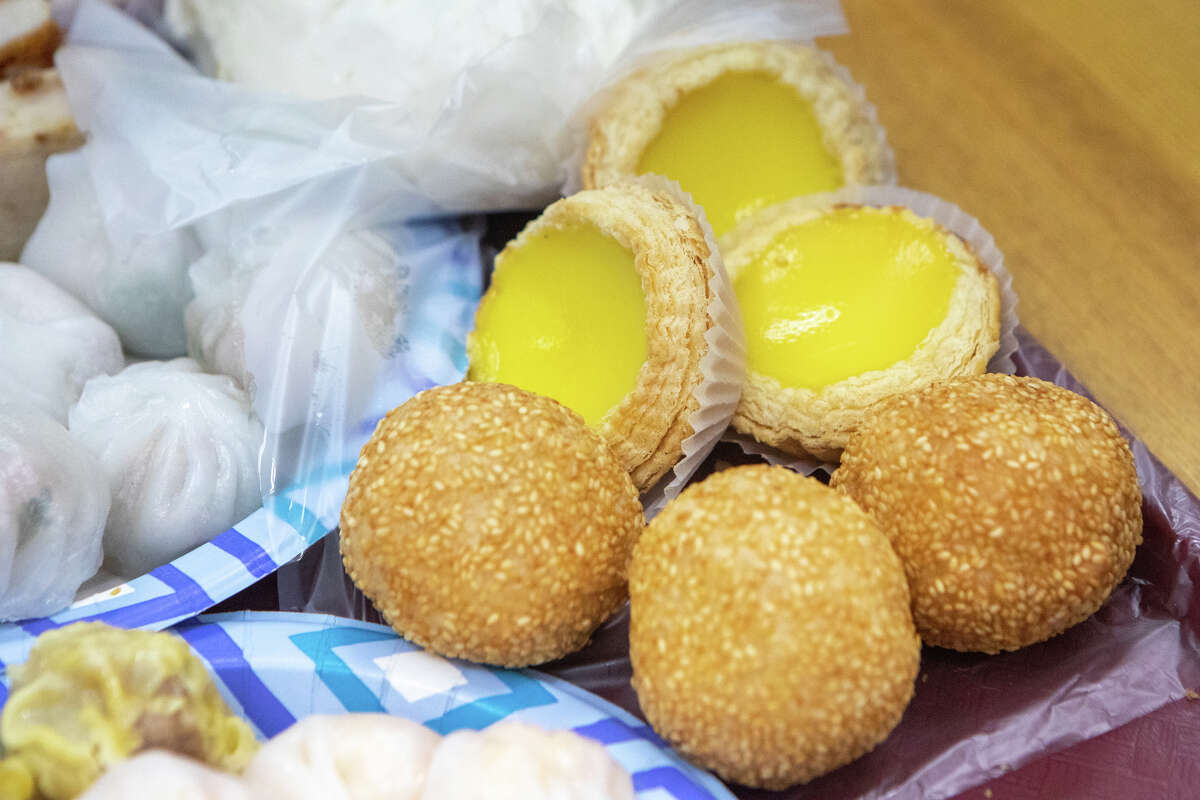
x: 442, y: 299
x: 275, y: 668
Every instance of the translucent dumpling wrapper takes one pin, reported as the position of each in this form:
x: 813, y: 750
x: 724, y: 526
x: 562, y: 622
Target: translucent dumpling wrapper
x: 137, y: 284
x: 515, y: 761
x: 91, y: 696
x: 179, y: 448
x: 303, y: 331
x: 53, y: 504
x: 165, y: 776
x: 345, y: 757
x: 50, y: 343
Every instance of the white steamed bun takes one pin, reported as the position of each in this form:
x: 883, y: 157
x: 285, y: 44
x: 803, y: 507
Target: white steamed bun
x: 180, y: 450
x: 53, y: 503
x: 50, y: 343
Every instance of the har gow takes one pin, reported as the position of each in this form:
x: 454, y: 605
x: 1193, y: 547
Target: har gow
x: 345, y: 757
x: 306, y: 338
x: 180, y: 450
x: 516, y: 761
x: 53, y: 503
x: 139, y: 287
x: 50, y: 343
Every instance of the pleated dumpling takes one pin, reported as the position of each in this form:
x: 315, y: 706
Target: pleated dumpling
x: 50, y: 343
x: 304, y: 334
x: 515, y: 761
x: 53, y: 503
x: 180, y: 450
x: 345, y: 757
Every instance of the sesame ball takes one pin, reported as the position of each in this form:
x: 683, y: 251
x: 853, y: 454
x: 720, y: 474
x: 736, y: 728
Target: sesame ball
x: 770, y: 631
x: 1013, y: 503
x: 491, y: 524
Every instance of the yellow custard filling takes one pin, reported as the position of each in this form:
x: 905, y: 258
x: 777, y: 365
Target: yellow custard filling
x: 565, y: 317
x: 741, y: 143
x: 851, y: 291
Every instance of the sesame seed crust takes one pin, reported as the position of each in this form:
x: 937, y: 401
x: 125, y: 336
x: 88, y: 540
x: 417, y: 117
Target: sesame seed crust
x: 490, y: 524
x: 770, y: 631
x: 1013, y: 503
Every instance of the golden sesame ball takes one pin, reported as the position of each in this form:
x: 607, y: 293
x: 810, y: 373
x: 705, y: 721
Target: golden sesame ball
x: 1013, y: 503
x: 770, y: 631
x: 490, y: 524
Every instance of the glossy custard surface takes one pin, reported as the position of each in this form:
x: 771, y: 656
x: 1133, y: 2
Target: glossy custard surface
x: 740, y: 143
x: 565, y: 317
x: 854, y: 290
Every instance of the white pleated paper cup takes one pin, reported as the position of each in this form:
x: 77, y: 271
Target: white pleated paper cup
x: 953, y: 219
x: 722, y: 367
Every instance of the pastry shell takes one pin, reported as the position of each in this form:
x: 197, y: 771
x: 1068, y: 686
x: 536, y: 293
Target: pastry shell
x: 818, y: 423
x: 647, y: 428
x: 631, y: 113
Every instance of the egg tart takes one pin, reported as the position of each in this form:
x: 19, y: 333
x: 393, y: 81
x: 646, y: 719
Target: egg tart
x: 603, y: 303
x: 740, y: 127
x: 845, y: 305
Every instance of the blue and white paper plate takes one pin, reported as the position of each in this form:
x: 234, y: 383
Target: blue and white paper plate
x: 442, y: 298
x: 275, y: 668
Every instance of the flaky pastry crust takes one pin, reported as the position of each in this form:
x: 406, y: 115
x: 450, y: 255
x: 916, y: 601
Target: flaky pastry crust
x: 818, y: 423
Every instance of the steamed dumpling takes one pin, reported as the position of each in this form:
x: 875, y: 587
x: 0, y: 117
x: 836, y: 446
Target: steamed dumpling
x: 345, y: 757
x: 50, y: 343
x: 92, y: 695
x: 53, y: 503
x: 304, y: 339
x: 514, y: 761
x: 180, y: 451
x: 165, y: 776
x: 139, y: 287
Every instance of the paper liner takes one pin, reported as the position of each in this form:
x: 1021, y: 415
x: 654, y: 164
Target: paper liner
x: 953, y: 219
x: 723, y: 366
x: 579, y: 125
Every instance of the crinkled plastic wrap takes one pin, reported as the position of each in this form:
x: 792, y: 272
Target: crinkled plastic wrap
x: 976, y: 717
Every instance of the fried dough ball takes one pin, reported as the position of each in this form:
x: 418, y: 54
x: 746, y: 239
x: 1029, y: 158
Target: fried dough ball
x: 1013, y: 503
x: 490, y: 524
x: 770, y: 631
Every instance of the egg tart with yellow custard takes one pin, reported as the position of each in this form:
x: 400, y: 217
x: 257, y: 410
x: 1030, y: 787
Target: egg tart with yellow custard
x: 845, y: 305
x: 740, y: 127
x: 602, y: 303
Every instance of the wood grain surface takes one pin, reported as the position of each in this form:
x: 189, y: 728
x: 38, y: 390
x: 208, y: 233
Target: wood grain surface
x: 1071, y: 130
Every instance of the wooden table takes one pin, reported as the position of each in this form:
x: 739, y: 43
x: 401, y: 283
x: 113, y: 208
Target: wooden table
x: 1071, y: 129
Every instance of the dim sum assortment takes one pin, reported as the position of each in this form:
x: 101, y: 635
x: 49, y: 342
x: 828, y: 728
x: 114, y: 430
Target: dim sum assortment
x: 99, y: 712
